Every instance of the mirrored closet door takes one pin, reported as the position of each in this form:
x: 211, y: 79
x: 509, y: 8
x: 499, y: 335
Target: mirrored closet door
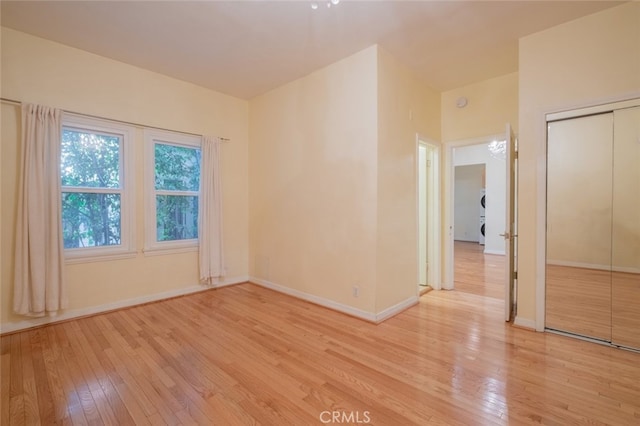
x: 625, y: 239
x: 593, y: 226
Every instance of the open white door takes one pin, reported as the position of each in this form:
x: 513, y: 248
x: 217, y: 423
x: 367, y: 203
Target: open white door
x: 428, y: 215
x: 510, y: 231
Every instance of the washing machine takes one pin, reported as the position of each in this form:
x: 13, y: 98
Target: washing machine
x: 481, y: 237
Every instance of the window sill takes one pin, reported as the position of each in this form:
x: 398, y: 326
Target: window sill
x: 162, y: 251
x: 104, y: 257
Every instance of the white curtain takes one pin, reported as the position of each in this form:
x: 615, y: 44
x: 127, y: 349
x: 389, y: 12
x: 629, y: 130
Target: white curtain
x: 210, y: 213
x: 39, y: 286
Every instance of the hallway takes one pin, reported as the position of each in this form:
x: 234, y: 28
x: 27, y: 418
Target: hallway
x: 476, y: 272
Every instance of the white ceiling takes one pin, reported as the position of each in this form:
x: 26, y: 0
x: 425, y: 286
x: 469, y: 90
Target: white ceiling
x: 245, y: 48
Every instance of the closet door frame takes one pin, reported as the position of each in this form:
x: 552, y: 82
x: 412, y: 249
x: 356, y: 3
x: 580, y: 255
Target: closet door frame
x: 541, y: 236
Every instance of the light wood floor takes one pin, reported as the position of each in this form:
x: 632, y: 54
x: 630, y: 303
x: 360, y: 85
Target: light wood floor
x: 248, y: 355
x: 578, y: 301
x: 596, y: 303
x: 476, y: 272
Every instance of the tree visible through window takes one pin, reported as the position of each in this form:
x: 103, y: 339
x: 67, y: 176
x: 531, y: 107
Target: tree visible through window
x: 91, y: 176
x: 177, y: 185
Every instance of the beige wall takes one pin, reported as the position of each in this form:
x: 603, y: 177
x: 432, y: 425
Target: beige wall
x: 491, y: 104
x: 333, y: 181
x: 588, y: 61
x: 406, y: 107
x: 313, y: 168
x: 40, y: 71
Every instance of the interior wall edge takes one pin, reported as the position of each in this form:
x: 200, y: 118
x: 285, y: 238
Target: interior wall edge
x: 525, y: 323
x: 335, y: 306
x: 312, y: 298
x: 396, y: 309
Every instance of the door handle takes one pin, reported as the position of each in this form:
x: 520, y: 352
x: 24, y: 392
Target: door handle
x: 506, y: 235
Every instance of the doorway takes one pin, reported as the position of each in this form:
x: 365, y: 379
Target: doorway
x: 470, y: 266
x: 470, y: 203
x: 428, y: 211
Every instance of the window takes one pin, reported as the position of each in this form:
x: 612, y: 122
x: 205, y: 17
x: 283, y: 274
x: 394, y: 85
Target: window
x: 173, y: 175
x: 96, y: 194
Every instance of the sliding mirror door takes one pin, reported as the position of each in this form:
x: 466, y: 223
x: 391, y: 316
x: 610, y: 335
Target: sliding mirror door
x: 593, y: 224
x: 579, y: 217
x: 625, y: 289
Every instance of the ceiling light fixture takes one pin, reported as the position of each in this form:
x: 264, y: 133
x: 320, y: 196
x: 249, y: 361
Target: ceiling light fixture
x: 315, y: 5
x: 498, y: 149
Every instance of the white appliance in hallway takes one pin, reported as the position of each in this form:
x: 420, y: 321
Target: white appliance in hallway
x: 483, y: 193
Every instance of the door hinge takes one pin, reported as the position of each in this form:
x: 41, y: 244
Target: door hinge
x: 515, y: 275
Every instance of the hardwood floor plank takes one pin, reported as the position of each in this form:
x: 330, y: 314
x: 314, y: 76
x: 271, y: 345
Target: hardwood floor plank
x: 157, y: 420
x: 29, y: 385
x: 5, y: 380
x: 155, y: 397
x: 476, y: 272
x: 247, y: 355
x: 50, y: 353
x: 231, y: 412
x: 72, y: 399
x: 16, y: 410
x: 290, y: 410
x: 16, y: 391
x: 72, y: 355
x: 195, y: 401
x: 103, y: 370
x: 131, y: 402
x: 108, y: 402
x: 128, y: 377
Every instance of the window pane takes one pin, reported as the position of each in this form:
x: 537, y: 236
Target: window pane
x: 177, y: 217
x: 90, y: 220
x: 177, y: 168
x: 90, y: 159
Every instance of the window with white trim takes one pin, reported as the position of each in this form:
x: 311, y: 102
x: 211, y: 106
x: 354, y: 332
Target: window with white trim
x: 97, y: 188
x: 173, y: 190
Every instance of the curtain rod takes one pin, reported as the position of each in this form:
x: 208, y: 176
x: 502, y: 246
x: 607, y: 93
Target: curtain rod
x: 14, y: 102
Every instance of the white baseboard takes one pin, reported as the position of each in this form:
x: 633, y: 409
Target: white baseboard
x: 327, y: 303
x: 525, y: 323
x: 583, y: 265
x: 346, y: 309
x: 396, y: 309
x: 498, y: 252
x: 76, y: 313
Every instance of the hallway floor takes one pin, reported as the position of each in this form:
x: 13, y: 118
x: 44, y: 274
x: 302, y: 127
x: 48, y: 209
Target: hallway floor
x: 478, y: 273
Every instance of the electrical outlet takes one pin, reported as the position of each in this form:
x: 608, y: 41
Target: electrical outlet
x: 356, y: 291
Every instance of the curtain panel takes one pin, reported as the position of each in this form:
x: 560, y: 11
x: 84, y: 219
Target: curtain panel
x: 39, y: 285
x: 211, y: 257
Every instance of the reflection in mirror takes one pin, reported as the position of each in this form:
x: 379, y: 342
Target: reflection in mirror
x: 626, y: 229
x: 579, y: 214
